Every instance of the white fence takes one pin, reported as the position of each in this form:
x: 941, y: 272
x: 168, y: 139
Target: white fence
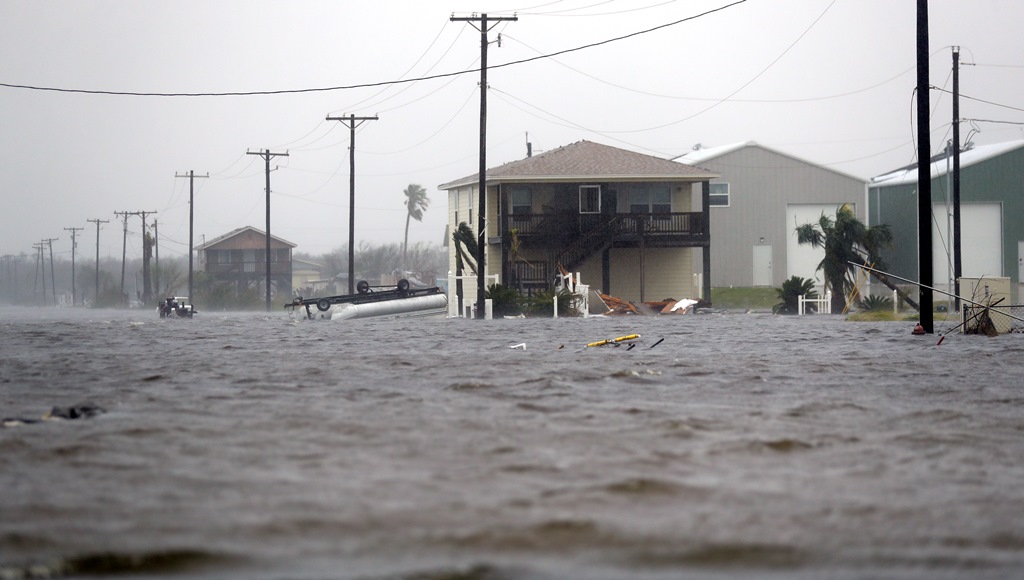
x: 823, y: 305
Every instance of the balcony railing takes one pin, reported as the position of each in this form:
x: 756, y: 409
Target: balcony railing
x: 688, y: 226
x: 249, y: 269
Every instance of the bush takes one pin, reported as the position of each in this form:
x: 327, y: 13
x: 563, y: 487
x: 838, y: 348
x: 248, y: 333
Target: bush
x: 505, y: 300
x: 542, y: 304
x: 790, y: 294
x: 875, y: 303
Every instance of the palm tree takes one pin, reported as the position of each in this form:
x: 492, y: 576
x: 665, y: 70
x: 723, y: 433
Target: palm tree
x: 465, y: 255
x: 416, y: 203
x: 846, y: 242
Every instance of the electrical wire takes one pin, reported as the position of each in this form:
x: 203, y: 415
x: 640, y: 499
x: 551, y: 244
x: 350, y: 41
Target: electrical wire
x: 994, y: 121
x: 528, y: 11
x: 717, y: 101
x: 731, y: 100
x: 407, y: 86
x: 963, y: 96
x: 380, y: 83
x: 432, y: 135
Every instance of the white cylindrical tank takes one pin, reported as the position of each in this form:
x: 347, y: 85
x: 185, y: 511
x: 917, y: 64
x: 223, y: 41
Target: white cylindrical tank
x: 413, y: 306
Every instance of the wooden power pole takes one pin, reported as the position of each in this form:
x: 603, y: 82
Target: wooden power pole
x: 485, y: 25
x: 924, y: 177
x: 74, y: 245
x: 191, y: 221
x: 352, y: 122
x: 96, y: 298
x: 267, y: 155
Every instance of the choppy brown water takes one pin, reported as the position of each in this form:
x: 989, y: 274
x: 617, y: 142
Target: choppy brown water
x: 253, y: 446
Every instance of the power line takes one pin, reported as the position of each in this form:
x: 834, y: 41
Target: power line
x: 381, y: 83
x: 963, y: 96
x: 994, y: 121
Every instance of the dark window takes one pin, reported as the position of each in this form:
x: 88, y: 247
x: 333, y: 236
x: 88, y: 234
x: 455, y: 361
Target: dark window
x: 522, y: 201
x: 590, y: 199
x: 650, y: 199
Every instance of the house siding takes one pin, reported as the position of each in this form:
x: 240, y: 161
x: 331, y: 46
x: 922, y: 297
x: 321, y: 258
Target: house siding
x: 552, y: 232
x: 996, y: 180
x: 762, y: 184
x: 668, y: 273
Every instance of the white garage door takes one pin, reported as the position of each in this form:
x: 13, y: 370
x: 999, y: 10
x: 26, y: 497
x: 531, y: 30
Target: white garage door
x: 803, y: 260
x: 981, y: 241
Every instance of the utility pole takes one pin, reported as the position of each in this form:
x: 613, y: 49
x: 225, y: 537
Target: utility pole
x: 40, y: 269
x: 484, y: 27
x: 191, y: 220
x: 53, y: 279
x: 267, y: 155
x: 352, y: 122
x: 156, y: 250
x: 146, y: 294
x: 74, y: 245
x: 957, y: 263
x: 924, y: 178
x: 97, y: 221
x: 124, y: 249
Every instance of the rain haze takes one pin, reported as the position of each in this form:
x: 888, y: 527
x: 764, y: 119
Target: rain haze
x: 830, y: 81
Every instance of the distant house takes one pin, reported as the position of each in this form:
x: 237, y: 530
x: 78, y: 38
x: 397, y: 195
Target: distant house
x: 991, y: 207
x: 756, y: 204
x: 239, y: 257
x: 307, y: 277
x: 627, y: 222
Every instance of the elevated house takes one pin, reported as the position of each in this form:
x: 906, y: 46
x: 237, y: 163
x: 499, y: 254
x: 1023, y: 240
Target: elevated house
x: 307, y: 277
x: 756, y: 204
x: 991, y: 206
x: 239, y: 258
x: 629, y: 223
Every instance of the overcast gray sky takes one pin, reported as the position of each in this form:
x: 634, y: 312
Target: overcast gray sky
x: 830, y: 81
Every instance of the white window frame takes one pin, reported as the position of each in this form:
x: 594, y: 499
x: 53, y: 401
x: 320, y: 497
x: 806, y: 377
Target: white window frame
x: 727, y: 195
x: 597, y: 191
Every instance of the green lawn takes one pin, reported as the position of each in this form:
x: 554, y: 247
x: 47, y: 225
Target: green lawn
x: 744, y: 298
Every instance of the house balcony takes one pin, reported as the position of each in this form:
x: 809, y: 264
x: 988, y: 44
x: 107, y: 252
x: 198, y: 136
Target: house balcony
x: 248, y: 269
x: 676, y: 229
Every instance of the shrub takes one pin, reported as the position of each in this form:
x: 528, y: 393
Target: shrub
x: 505, y: 300
x: 790, y: 294
x: 542, y: 304
x: 875, y: 303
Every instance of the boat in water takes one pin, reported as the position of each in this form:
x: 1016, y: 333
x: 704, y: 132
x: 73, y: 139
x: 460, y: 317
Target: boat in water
x: 175, y: 307
x: 400, y: 300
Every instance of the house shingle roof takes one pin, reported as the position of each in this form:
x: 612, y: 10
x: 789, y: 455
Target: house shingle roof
x: 238, y: 232
x: 587, y: 161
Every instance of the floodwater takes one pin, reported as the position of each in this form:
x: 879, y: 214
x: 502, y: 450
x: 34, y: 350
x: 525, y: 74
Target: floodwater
x: 250, y: 445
